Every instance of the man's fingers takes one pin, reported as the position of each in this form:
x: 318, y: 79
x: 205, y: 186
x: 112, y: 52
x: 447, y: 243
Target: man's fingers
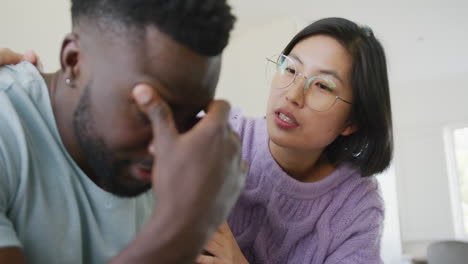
x: 151, y: 149
x: 244, y: 167
x: 157, y: 111
x: 203, y: 259
x: 218, y: 110
x: 217, y: 114
x: 7, y: 56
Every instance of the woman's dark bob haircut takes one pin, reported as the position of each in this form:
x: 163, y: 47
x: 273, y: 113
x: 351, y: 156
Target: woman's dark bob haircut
x: 370, y: 148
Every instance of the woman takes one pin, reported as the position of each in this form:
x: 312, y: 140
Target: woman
x: 310, y: 196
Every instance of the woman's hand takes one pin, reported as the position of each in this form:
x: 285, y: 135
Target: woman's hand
x: 223, y: 248
x: 7, y: 56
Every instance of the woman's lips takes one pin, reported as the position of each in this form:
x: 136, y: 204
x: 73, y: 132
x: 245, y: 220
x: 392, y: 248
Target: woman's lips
x: 285, y: 120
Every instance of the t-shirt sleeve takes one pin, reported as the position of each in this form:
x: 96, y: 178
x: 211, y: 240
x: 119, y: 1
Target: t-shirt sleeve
x: 8, y: 183
x: 8, y: 236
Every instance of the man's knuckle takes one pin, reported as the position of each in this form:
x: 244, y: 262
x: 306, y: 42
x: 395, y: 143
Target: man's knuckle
x: 215, y: 132
x: 217, y: 128
x: 234, y: 147
x: 158, y: 111
x: 237, y: 145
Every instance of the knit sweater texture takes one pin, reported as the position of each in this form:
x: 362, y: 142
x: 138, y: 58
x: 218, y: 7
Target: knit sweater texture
x: 278, y: 219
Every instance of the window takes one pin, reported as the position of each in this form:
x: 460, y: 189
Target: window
x: 456, y: 143
x: 460, y: 148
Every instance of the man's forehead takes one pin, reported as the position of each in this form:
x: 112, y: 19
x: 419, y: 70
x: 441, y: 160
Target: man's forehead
x: 183, y: 72
x: 153, y: 55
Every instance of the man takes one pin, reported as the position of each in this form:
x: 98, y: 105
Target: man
x: 80, y: 148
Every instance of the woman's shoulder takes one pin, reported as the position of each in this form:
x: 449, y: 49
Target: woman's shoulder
x: 361, y: 192
x: 360, y: 200
x: 251, y: 130
x: 358, y: 224
x: 241, y: 123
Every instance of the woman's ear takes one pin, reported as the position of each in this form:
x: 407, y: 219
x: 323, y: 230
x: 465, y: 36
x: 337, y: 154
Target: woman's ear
x: 69, y: 57
x: 349, y: 129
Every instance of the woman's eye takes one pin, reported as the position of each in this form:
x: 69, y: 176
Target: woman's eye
x: 323, y: 86
x: 290, y: 70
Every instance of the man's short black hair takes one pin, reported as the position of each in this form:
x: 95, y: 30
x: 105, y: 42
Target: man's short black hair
x: 201, y: 25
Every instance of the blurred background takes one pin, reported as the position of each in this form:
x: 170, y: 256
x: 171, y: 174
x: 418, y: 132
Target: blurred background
x: 426, y: 42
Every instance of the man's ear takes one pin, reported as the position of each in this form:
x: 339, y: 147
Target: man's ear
x: 350, y: 128
x: 69, y: 57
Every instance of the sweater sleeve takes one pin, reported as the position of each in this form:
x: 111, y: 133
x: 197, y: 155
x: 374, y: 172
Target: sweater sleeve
x: 245, y: 128
x: 357, y: 229
x: 236, y: 120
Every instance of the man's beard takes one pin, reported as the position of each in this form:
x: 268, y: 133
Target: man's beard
x: 105, y: 167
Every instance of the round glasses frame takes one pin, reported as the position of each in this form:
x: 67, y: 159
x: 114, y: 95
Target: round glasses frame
x: 308, y: 80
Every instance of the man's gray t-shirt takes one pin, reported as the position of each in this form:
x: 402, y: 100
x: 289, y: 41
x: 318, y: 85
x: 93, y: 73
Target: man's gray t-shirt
x: 48, y: 206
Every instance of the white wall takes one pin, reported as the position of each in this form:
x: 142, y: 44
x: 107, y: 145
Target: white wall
x: 39, y: 25
x: 427, y: 210
x: 391, y: 239
x: 243, y: 80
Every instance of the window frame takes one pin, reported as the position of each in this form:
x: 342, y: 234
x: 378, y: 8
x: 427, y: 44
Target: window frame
x: 456, y: 197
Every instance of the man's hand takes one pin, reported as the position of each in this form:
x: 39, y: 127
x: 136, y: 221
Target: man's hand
x: 223, y: 249
x: 197, y: 177
x: 203, y: 165
x: 8, y: 56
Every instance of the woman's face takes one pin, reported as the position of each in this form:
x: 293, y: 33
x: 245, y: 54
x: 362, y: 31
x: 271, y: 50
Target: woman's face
x: 291, y: 122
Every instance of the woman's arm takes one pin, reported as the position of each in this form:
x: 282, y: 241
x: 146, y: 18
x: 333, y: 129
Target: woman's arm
x: 7, y: 56
x: 222, y: 248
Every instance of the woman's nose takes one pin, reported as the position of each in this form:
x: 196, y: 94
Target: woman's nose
x: 295, y: 93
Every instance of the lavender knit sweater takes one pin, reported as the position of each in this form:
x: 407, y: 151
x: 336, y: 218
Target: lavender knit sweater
x: 280, y: 220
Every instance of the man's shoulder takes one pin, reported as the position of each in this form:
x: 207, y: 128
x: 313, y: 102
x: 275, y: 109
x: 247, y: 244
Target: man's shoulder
x: 17, y: 75
x: 12, y: 138
x: 18, y: 86
x: 13, y: 79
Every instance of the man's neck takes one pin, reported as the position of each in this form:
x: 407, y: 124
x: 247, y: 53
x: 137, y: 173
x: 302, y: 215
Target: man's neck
x: 63, y: 105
